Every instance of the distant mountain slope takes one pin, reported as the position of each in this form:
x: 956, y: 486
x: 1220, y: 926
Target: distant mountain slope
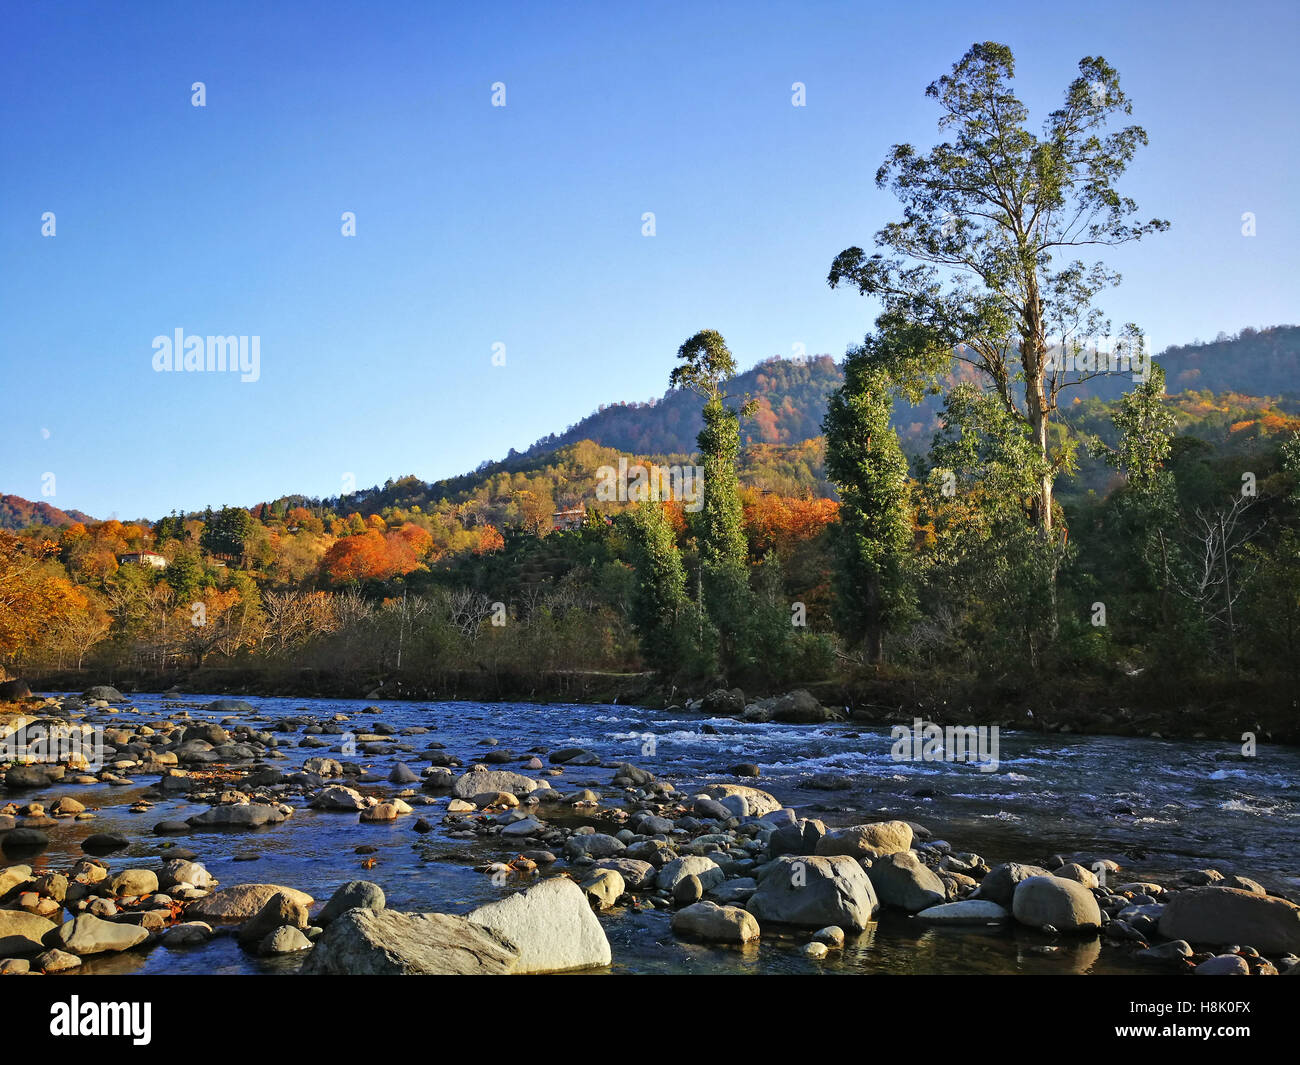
x: 791, y: 395
x: 18, y: 513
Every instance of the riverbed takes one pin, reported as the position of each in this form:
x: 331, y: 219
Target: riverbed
x: 1158, y: 808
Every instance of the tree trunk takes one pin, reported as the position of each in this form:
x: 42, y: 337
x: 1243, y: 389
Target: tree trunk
x: 1033, y: 353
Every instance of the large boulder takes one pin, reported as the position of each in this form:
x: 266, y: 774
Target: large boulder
x: 12, y: 877
x: 797, y: 837
x: 26, y: 776
x: 14, y: 689
x: 22, y: 933
x: 280, y: 911
x: 1063, y: 904
x: 902, y: 880
x: 350, y: 896
x: 88, y: 934
x: 638, y: 875
x: 800, y: 708
x: 181, y: 871
x: 1217, y: 915
x: 716, y: 924
x: 239, y: 815
x: 999, y: 883
x: 239, y: 903
x: 552, y: 926
x: 867, y: 841
x: 491, y: 782
x: 134, y: 882
x: 592, y: 845
x: 387, y: 943
x: 757, y: 801
x: 723, y: 703
x: 708, y: 872
x: 337, y: 797
x: 814, y: 892
x: 106, y: 692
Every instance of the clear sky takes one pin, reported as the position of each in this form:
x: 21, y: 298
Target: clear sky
x: 522, y: 225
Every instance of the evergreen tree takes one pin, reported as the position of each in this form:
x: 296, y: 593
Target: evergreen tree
x: 867, y: 466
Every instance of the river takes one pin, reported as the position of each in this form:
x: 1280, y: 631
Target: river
x: 1158, y: 807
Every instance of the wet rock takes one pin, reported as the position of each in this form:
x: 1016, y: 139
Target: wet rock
x: 490, y: 782
x: 603, y: 887
x: 13, y: 877
x: 284, y: 940
x: 1219, y: 915
x: 688, y: 890
x: 56, y: 961
x: 1167, y: 953
x: 241, y: 815
x: 716, y: 924
x: 186, y: 934
x: 707, y: 871
x: 831, y: 936
x: 627, y: 775
x: 26, y: 776
x: 365, y: 942
x: 867, y: 841
x: 999, y: 884
x: 18, y: 840
x: 723, y: 703
x: 384, y: 811
x: 592, y: 845
x: 1223, y: 965
x: 813, y: 892
x: 240, y: 902
x: 968, y: 911
x: 134, y: 882
x: 1040, y: 901
x: 901, y: 880
x: 757, y: 801
x: 798, y: 837
x: 337, y: 797
x: 552, y: 926
x: 1078, y: 873
x: 638, y: 875
x: 350, y: 896
x: 182, y: 871
x: 22, y: 933
x: 88, y: 934
x: 104, y: 692
x: 279, y: 910
x: 573, y: 756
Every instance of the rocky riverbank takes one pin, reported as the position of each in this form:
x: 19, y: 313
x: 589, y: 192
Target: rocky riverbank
x: 726, y: 863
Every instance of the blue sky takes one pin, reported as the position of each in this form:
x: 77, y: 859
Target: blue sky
x: 522, y: 225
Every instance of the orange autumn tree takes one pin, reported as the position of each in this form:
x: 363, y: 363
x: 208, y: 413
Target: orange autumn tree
x: 357, y: 558
x: 33, y: 597
x: 489, y: 540
x: 777, y: 524
x: 375, y: 555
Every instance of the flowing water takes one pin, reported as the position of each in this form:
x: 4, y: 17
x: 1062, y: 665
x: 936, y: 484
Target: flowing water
x: 1157, y: 807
